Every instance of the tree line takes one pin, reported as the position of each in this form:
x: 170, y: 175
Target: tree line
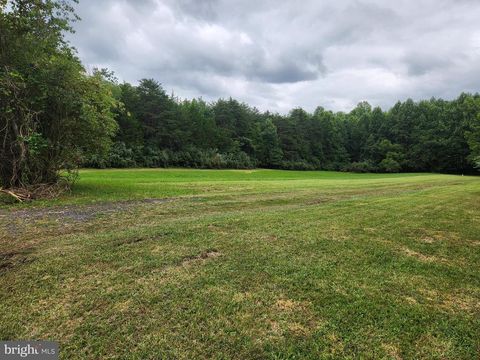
x: 55, y: 117
x: 157, y: 130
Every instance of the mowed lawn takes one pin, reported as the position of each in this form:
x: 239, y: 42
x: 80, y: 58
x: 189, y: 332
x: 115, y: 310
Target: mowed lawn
x: 263, y: 264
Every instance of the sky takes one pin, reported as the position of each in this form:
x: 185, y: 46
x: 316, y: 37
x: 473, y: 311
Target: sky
x: 278, y: 55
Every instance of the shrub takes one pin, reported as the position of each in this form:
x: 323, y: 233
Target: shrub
x: 389, y: 165
x: 297, y: 165
x: 360, y: 167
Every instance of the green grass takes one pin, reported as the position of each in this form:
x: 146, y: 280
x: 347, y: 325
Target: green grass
x: 247, y: 265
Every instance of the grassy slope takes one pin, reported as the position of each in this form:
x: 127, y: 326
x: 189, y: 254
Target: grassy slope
x: 263, y: 264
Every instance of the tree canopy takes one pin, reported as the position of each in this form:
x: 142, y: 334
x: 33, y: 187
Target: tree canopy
x: 52, y: 114
x: 159, y: 130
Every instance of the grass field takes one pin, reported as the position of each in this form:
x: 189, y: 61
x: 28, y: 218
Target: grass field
x: 199, y: 264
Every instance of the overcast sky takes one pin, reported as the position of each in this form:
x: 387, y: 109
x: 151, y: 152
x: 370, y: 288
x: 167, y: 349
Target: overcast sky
x: 278, y: 55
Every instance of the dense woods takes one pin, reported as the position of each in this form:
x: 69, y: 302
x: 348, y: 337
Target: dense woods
x: 157, y: 130
x: 55, y: 117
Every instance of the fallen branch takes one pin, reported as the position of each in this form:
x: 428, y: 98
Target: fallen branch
x: 40, y: 191
x: 18, y: 197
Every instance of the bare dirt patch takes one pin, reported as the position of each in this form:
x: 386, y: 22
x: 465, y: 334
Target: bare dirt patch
x: 13, y: 259
x: 289, y: 305
x: 393, y: 351
x: 270, y: 238
x: 423, y: 257
x: 452, y: 302
x: 431, y: 346
x: 288, y: 316
x: 217, y: 229
x: 14, y: 222
x: 411, y: 300
x: 428, y: 239
x: 318, y: 201
x: 179, y: 271
x: 433, y: 236
x: 192, y: 259
x: 79, y: 213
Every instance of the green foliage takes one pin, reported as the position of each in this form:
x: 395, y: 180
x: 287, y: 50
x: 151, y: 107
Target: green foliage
x: 267, y: 145
x: 52, y: 114
x: 389, y: 164
x: 473, y: 137
x: 434, y: 135
x: 476, y: 162
x: 360, y: 167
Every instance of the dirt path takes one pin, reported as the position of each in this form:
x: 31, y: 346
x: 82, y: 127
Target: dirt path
x: 79, y: 213
x: 14, y: 222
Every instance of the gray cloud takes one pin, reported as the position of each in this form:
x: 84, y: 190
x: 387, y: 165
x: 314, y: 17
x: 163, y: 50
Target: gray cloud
x: 279, y: 55
x: 205, y: 10
x: 421, y: 63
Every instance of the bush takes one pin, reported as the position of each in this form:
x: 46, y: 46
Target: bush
x: 191, y: 157
x: 390, y: 166
x: 120, y: 156
x: 476, y: 162
x: 239, y: 160
x: 360, y: 167
x: 96, y: 162
x: 297, y: 165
